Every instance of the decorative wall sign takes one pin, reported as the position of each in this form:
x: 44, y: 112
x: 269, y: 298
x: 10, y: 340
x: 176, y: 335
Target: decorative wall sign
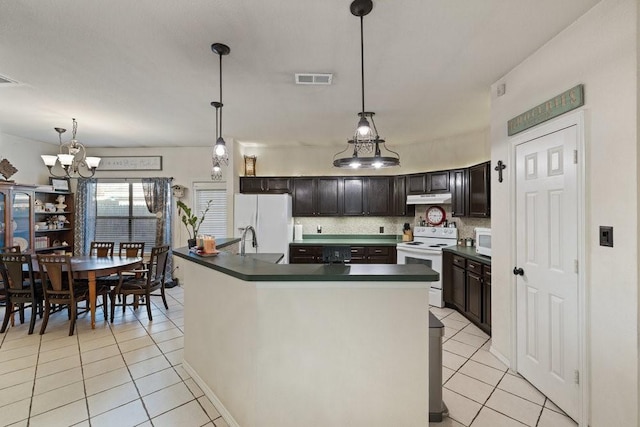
x: 250, y: 165
x: 131, y: 163
x: 7, y: 169
x: 560, y: 104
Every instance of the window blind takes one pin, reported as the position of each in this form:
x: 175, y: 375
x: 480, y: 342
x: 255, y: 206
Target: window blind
x: 215, y: 223
x: 122, y: 214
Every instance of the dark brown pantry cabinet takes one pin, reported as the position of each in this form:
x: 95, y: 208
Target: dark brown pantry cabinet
x: 480, y: 190
x: 466, y: 283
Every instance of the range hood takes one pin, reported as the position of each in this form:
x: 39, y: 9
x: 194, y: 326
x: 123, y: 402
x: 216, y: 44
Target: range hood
x: 429, y: 199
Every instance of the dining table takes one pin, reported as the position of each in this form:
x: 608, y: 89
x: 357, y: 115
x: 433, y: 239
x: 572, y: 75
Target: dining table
x: 90, y: 267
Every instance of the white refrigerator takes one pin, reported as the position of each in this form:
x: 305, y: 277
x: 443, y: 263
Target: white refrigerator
x: 270, y: 215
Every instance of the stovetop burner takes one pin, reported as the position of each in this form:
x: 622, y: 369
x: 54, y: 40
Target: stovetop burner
x: 414, y: 243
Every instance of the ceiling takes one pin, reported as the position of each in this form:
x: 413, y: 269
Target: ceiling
x: 141, y: 73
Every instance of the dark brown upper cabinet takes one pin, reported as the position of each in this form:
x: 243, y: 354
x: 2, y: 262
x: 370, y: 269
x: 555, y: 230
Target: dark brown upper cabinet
x: 417, y: 183
x: 354, y: 202
x: 271, y: 185
x: 480, y: 190
x: 400, y: 207
x: 438, y: 182
x: 317, y: 196
x: 459, y: 192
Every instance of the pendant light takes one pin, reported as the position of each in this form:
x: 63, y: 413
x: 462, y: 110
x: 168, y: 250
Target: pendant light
x: 75, y: 160
x: 216, y: 169
x: 220, y: 151
x: 365, y: 139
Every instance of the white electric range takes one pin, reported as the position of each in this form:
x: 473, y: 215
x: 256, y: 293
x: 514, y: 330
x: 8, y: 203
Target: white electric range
x: 426, y: 248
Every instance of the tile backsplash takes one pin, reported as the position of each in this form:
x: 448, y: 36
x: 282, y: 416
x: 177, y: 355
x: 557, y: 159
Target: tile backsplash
x: 392, y: 225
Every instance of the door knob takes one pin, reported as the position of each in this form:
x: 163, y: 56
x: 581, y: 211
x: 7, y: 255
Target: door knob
x: 518, y: 271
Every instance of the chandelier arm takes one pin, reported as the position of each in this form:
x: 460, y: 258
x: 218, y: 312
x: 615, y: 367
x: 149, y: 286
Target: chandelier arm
x: 93, y: 172
x: 343, y: 151
x: 390, y: 150
x: 54, y: 175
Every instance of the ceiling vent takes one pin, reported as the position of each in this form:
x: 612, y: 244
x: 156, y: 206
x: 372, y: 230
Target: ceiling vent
x: 313, y: 79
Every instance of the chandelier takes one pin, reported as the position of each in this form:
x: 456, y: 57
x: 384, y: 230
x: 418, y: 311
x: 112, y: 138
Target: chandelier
x: 220, y: 151
x: 72, y: 157
x: 366, y: 140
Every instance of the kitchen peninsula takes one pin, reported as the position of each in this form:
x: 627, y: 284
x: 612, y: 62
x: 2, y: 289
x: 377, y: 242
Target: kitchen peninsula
x: 308, y: 344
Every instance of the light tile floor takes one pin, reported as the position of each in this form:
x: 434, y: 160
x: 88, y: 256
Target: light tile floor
x: 479, y: 391
x: 127, y: 373
x: 130, y: 373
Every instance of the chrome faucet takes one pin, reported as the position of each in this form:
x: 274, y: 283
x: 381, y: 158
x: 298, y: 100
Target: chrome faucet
x: 254, y: 241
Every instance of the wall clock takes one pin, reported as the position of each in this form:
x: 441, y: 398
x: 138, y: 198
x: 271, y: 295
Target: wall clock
x: 435, y: 215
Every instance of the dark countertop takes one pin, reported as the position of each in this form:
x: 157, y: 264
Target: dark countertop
x: 227, y: 241
x: 468, y: 252
x: 263, y: 267
x: 348, y: 239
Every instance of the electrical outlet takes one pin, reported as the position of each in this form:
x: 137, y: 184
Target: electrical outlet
x: 381, y: 230
x: 319, y: 229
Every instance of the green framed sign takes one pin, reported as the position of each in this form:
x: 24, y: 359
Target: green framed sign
x: 558, y: 105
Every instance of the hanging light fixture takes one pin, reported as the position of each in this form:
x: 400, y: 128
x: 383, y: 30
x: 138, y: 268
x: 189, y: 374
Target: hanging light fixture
x: 216, y: 169
x: 74, y: 160
x: 220, y: 151
x: 365, y: 139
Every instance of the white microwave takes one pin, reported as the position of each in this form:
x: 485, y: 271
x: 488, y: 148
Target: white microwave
x: 483, y: 241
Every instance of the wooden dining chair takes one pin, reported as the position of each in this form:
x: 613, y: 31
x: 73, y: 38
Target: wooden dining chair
x: 20, y: 288
x: 153, y: 279
x: 3, y: 294
x: 101, y: 249
x: 59, y: 287
x: 130, y: 250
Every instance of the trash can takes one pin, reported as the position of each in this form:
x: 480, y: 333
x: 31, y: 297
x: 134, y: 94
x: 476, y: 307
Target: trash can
x: 437, y: 408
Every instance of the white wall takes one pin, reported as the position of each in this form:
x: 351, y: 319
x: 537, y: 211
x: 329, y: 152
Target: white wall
x: 599, y: 50
x: 446, y: 153
x: 24, y: 155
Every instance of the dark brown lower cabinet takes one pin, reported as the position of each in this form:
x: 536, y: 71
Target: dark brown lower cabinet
x: 459, y: 288
x: 467, y: 288
x: 474, y: 296
x: 303, y: 254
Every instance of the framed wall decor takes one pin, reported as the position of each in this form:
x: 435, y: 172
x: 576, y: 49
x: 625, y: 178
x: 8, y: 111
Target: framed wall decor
x: 60, y: 184
x: 250, y: 165
x: 130, y: 163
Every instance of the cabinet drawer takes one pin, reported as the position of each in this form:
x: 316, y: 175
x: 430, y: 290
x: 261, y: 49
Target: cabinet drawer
x: 475, y: 267
x: 487, y: 273
x: 459, y: 261
x: 380, y: 250
x: 305, y: 250
x: 357, y: 251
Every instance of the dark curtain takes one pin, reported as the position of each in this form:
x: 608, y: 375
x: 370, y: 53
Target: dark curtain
x: 86, y: 211
x: 157, y: 195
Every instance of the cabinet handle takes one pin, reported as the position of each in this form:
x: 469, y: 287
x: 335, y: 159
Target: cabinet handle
x: 378, y: 251
x: 302, y: 250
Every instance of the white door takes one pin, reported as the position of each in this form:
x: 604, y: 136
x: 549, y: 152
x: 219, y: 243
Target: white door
x: 547, y: 253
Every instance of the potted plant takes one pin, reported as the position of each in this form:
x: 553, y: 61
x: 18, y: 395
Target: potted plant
x: 191, y: 221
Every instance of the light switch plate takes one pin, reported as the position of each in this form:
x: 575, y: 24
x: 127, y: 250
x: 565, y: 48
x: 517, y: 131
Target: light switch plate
x: 606, y: 236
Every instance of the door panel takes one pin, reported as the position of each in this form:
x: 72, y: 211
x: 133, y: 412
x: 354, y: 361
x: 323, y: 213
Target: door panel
x: 547, y: 250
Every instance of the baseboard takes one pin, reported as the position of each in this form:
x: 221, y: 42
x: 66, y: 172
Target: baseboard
x: 500, y: 356
x: 211, y: 395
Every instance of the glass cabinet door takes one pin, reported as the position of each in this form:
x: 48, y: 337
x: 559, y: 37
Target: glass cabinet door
x: 21, y: 222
